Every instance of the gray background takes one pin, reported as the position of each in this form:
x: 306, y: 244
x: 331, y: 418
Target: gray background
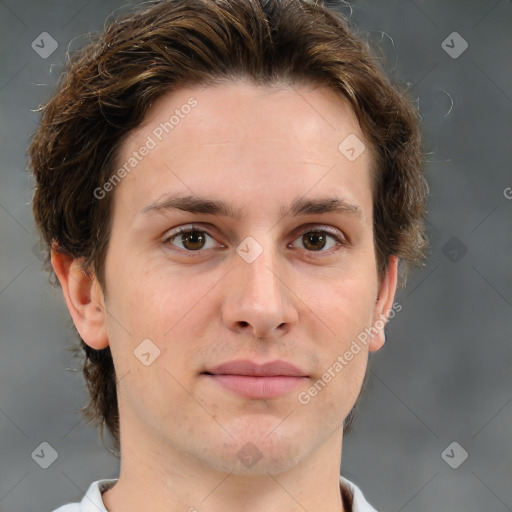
x: 444, y: 374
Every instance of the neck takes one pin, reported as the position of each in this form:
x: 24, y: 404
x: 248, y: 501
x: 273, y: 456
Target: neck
x: 159, y: 477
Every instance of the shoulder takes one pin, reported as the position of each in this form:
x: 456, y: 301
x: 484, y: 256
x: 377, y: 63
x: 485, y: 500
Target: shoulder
x: 70, y: 507
x: 359, y: 503
x: 92, y: 500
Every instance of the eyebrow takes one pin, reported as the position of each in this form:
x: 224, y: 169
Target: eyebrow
x: 300, y: 206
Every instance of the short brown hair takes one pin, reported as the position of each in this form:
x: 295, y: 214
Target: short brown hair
x: 109, y: 85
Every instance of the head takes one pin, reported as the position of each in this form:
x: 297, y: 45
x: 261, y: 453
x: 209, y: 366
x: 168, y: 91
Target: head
x: 186, y: 80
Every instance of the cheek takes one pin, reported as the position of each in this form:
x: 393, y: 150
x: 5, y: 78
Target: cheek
x: 347, y: 311
x: 166, y: 309
x: 148, y: 302
x: 346, y: 304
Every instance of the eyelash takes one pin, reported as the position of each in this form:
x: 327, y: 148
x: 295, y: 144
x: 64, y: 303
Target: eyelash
x: 308, y: 229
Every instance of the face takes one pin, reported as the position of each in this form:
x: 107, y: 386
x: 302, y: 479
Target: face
x: 280, y: 280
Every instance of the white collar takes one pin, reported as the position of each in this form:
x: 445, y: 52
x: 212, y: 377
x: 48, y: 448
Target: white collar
x: 93, y: 502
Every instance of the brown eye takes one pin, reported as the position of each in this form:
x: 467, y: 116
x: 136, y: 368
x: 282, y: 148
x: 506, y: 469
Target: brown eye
x: 190, y: 239
x: 320, y: 240
x: 193, y: 240
x: 314, y: 241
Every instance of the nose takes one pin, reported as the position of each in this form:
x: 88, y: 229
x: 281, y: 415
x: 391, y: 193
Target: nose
x: 259, y: 298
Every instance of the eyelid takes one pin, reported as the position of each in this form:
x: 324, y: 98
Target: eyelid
x: 187, y: 228
x: 336, y: 233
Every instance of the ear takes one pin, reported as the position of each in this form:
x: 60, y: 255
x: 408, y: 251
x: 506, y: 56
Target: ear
x: 84, y: 299
x: 384, y: 304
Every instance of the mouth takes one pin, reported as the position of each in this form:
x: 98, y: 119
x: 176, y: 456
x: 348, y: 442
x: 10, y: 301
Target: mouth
x: 256, y: 387
x: 254, y: 380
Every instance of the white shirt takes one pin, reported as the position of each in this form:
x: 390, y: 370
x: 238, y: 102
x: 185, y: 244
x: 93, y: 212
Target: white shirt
x: 92, y: 501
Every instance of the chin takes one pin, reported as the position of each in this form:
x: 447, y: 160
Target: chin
x: 260, y: 455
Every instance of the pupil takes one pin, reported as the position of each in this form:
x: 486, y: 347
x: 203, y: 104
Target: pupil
x: 194, y: 237
x: 314, y: 238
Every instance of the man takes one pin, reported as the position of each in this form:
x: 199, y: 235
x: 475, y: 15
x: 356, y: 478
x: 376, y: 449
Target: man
x: 226, y: 188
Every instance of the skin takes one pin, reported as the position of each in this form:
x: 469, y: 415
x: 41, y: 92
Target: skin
x: 259, y: 148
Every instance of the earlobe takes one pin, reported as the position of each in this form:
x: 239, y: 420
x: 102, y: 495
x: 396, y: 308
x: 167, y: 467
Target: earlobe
x: 384, y: 305
x: 84, y: 299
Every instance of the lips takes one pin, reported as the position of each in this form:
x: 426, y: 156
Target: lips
x: 251, y: 380
x: 249, y: 368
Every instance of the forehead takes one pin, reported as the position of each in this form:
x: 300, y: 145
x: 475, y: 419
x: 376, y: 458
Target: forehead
x: 217, y: 111
x: 247, y: 137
